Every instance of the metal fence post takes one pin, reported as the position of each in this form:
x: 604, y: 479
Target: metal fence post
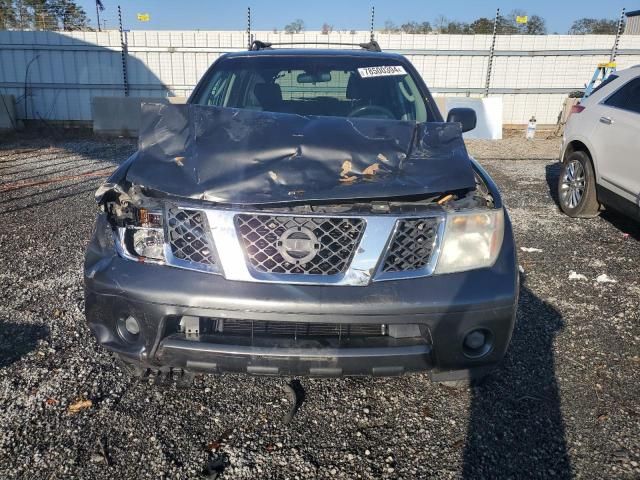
x: 373, y: 13
x: 249, y: 28
x: 124, y: 54
x: 491, y: 53
x: 614, y: 51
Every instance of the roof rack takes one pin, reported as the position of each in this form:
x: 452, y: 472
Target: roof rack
x: 371, y: 46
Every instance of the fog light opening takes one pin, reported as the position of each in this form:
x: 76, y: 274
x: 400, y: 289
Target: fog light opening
x: 129, y: 329
x: 477, y: 343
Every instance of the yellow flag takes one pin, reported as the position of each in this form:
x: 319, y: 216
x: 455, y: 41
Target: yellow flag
x: 143, y: 17
x: 523, y: 19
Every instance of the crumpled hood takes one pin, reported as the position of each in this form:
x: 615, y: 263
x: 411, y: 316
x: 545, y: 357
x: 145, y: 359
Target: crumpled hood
x: 252, y: 157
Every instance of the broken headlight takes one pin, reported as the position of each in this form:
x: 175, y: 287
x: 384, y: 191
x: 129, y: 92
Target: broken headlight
x: 471, y: 240
x: 148, y: 243
x: 144, y: 239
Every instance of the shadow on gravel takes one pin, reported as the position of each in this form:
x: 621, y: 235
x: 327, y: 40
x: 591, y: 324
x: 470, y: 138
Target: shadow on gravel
x: 56, y: 169
x: 516, y: 429
x: 623, y: 223
x: 552, y: 172
x: 56, y: 198
x: 18, y: 339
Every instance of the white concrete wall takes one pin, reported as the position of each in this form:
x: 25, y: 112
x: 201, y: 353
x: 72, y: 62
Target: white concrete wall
x: 533, y: 74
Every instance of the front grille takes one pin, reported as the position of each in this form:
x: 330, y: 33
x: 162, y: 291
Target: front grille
x: 298, y: 329
x: 412, y: 245
x: 301, y: 245
x: 189, y: 237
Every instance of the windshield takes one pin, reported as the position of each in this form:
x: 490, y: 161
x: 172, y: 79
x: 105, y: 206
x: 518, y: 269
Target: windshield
x: 316, y: 85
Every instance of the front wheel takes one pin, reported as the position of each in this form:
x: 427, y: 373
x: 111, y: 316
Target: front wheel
x: 577, y: 187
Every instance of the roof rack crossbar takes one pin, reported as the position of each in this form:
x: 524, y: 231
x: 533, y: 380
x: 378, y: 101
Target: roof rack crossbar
x: 371, y: 46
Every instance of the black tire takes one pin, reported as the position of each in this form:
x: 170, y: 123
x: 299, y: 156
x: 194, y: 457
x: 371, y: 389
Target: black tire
x: 577, y: 187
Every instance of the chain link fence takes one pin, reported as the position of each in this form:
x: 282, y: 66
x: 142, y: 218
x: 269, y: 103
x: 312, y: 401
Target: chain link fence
x: 54, y: 75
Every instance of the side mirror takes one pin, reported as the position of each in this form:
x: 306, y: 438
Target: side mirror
x: 465, y: 116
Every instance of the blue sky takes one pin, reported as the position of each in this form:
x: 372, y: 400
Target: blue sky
x: 342, y: 14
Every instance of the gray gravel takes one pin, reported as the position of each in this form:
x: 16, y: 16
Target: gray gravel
x: 564, y: 403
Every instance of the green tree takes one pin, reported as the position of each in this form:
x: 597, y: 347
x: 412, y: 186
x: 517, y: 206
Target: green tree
x: 43, y: 15
x: 390, y: 27
x: 7, y: 15
x: 440, y: 22
x: 415, y: 27
x: 294, y: 27
x: 456, y: 28
x: 594, y: 26
x: 482, y: 26
x: 536, y: 25
x: 69, y: 15
x: 447, y: 26
x: 24, y: 15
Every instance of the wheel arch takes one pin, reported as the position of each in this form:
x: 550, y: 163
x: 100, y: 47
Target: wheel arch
x: 579, y: 146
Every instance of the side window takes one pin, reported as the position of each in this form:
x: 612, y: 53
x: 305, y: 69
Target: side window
x: 627, y: 97
x: 604, y: 83
x: 218, y: 89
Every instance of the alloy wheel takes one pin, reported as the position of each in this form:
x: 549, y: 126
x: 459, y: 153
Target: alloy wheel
x: 573, y: 184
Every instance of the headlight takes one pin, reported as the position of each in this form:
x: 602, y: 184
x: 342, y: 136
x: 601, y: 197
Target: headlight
x: 148, y: 243
x: 144, y: 240
x: 471, y: 240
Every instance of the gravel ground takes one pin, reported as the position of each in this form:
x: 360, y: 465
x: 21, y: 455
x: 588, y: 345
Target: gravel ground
x: 564, y: 402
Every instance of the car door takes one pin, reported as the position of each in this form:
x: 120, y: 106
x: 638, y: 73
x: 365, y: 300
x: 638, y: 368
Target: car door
x: 616, y: 141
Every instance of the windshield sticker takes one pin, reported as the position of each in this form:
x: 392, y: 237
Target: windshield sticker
x: 383, y: 71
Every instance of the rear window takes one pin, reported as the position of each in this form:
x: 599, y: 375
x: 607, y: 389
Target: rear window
x: 317, y: 85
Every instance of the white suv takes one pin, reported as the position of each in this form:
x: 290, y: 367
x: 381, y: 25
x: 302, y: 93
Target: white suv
x: 601, y: 149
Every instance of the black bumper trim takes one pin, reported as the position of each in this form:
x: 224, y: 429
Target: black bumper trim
x: 324, y: 362
x: 222, y: 349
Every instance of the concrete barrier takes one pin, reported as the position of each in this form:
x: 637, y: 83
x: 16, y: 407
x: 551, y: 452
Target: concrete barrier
x: 121, y: 115
x: 8, y: 120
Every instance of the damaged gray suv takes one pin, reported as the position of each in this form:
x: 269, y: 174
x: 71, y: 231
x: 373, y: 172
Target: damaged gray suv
x: 307, y: 212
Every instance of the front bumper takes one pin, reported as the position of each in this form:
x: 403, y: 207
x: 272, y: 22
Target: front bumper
x: 447, y: 307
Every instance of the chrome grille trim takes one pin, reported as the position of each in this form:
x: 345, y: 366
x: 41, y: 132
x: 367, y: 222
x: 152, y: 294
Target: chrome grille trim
x: 412, y: 245
x: 359, y: 272
x: 424, y: 269
x: 218, y: 227
x: 188, y: 240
